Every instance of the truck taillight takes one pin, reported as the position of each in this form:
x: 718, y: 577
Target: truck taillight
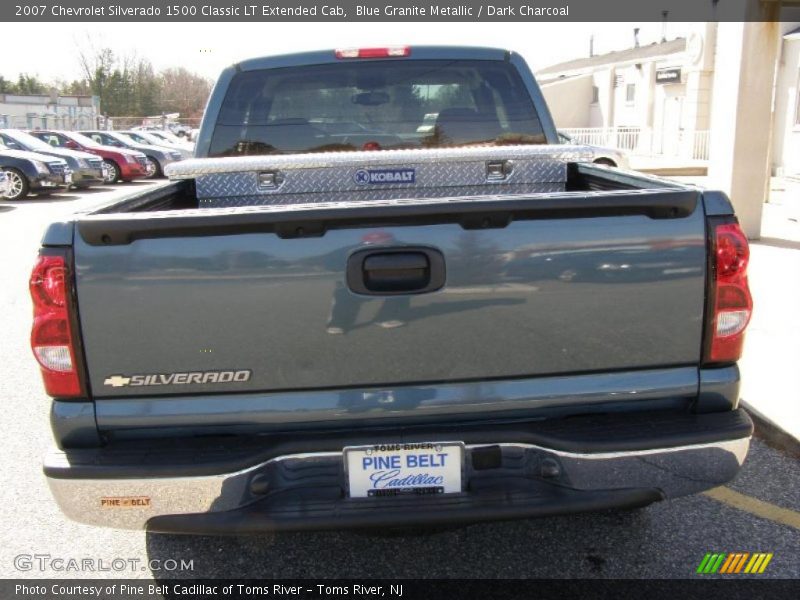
x: 730, y: 294
x: 388, y: 52
x: 51, y: 336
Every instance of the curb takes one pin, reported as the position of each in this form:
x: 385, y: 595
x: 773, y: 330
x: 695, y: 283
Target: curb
x: 772, y: 434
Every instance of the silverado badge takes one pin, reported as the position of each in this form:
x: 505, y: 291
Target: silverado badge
x: 178, y: 378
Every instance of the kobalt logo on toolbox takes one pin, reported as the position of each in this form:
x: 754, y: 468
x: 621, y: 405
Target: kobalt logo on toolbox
x: 374, y: 176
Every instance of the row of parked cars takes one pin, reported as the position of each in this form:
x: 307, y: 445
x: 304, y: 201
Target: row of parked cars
x: 43, y: 161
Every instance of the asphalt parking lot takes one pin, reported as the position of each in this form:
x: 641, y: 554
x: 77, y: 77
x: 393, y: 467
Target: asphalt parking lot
x: 759, y: 512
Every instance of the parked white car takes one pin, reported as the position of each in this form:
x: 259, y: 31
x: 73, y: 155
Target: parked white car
x: 5, y: 185
x: 168, y: 136
x: 612, y: 157
x: 146, y: 137
x: 165, y: 136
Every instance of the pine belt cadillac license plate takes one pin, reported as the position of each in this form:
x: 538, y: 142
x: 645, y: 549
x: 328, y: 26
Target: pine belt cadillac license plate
x: 398, y: 469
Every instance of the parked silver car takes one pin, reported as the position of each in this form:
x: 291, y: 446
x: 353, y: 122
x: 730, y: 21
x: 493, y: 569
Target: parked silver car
x: 613, y: 157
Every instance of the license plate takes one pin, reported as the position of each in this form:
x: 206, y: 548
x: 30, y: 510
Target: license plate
x: 68, y: 178
x: 400, y: 469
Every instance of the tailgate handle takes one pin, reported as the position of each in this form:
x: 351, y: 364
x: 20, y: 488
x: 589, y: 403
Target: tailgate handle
x: 391, y: 271
x: 396, y: 272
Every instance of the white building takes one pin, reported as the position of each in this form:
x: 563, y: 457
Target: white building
x: 786, y: 124
x: 49, y: 111
x: 725, y: 95
x: 654, y: 99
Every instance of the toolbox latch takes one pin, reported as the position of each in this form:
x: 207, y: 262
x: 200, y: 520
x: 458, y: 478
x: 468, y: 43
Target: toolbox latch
x: 498, y: 170
x: 269, y: 180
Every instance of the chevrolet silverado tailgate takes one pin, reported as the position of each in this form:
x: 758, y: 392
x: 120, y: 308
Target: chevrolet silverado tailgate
x: 370, y: 294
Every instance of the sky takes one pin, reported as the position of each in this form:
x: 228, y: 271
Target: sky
x: 207, y: 48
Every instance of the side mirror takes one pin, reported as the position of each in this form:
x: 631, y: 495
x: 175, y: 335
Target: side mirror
x: 71, y: 145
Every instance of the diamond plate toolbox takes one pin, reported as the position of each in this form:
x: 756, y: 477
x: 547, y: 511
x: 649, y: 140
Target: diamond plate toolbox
x: 378, y: 175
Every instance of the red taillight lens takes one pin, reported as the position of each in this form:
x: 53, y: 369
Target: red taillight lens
x: 48, y: 282
x: 51, y: 336
x: 732, y: 252
x: 388, y: 52
x: 733, y: 304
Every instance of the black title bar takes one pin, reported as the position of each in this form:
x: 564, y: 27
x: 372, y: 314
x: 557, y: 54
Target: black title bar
x: 398, y: 589
x: 541, y: 11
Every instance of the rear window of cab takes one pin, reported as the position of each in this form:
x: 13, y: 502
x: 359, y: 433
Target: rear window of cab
x: 375, y: 105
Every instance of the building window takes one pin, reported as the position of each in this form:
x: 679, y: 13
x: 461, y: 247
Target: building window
x: 595, y: 94
x: 630, y: 92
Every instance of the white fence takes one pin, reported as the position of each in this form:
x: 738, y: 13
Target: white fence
x: 692, y: 145
x: 36, y: 121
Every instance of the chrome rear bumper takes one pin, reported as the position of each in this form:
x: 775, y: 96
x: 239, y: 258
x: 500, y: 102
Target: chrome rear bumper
x: 290, y: 487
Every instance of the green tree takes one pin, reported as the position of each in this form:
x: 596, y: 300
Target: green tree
x: 78, y: 87
x: 126, y: 85
x: 6, y: 86
x: 183, y: 92
x: 147, y: 89
x: 97, y: 66
x: 30, y: 84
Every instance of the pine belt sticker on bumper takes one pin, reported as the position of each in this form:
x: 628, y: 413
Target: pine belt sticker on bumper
x: 185, y: 378
x: 125, y: 502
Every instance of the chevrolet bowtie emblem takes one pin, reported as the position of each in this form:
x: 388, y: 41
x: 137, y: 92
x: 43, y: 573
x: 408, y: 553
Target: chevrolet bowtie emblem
x: 117, y: 381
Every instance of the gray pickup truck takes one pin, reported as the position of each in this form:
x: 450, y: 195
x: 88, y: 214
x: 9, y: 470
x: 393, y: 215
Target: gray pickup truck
x: 384, y: 294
